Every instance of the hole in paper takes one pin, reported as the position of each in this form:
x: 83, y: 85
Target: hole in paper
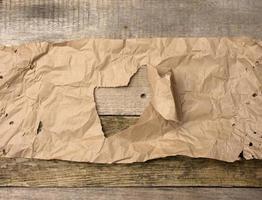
x: 241, y: 156
x: 120, y: 107
x: 39, y: 128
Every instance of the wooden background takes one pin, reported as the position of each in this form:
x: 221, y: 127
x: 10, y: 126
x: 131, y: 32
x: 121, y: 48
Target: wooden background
x: 26, y: 20
x: 55, y: 20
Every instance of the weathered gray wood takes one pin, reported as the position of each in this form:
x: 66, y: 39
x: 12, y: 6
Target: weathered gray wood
x: 130, y: 193
x: 176, y: 171
x: 27, y: 20
x: 55, y: 20
x: 130, y: 100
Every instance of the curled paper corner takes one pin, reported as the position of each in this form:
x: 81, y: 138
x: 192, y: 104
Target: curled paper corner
x: 163, y: 99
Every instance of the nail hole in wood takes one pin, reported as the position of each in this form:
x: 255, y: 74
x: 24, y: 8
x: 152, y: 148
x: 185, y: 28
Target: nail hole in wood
x: 1, y: 77
x: 11, y: 122
x: 254, y: 94
x: 6, y: 115
x: 250, y: 144
x: 233, y: 124
x: 4, y: 152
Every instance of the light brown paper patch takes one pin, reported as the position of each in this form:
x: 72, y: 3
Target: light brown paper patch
x: 206, y: 99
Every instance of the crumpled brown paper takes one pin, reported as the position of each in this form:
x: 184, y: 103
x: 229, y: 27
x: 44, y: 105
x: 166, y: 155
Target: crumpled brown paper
x: 206, y: 99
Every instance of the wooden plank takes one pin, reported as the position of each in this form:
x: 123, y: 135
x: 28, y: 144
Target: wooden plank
x: 177, y: 171
x: 130, y: 193
x: 130, y: 100
x: 54, y: 20
x: 114, y: 124
x: 173, y: 171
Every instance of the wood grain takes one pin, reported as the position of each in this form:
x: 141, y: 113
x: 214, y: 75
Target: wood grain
x: 55, y: 20
x: 173, y: 171
x: 129, y: 100
x: 130, y: 193
x: 113, y: 124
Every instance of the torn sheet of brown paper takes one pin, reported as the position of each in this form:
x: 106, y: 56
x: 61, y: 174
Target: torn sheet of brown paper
x: 206, y: 100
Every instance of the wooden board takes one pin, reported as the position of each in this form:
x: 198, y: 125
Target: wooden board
x: 114, y: 124
x: 130, y: 193
x: 173, y: 171
x: 54, y: 20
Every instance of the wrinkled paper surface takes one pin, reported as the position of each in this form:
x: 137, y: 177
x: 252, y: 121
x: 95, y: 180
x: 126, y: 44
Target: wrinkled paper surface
x: 206, y: 99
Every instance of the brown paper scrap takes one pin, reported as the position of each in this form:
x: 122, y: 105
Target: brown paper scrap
x: 206, y: 99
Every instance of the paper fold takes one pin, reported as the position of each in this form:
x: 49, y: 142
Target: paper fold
x: 163, y: 99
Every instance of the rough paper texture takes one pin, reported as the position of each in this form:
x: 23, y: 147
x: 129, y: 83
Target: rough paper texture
x: 206, y: 99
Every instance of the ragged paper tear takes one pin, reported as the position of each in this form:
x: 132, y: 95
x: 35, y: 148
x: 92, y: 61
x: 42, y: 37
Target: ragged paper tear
x: 206, y: 99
